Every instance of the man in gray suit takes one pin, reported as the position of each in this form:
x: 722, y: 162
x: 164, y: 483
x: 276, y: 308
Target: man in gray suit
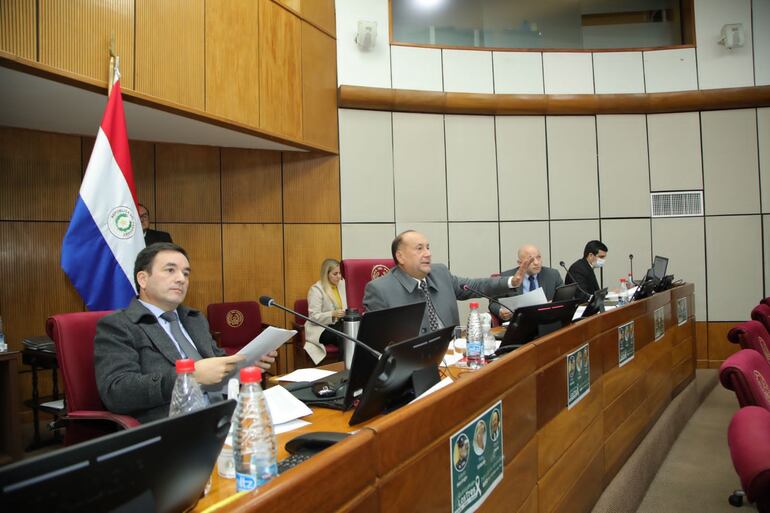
x: 416, y: 279
x: 535, y: 276
x: 135, y: 349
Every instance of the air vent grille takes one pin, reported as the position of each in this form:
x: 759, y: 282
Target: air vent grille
x: 677, y: 204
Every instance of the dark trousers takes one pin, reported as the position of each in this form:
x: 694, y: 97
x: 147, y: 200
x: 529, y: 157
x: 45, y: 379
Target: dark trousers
x: 330, y: 338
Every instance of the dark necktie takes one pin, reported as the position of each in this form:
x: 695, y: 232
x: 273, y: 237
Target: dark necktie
x: 531, y: 282
x: 432, y: 317
x: 185, y: 346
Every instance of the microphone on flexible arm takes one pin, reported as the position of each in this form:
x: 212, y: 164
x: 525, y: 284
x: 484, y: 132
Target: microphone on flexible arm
x: 493, y: 300
x: 631, y: 262
x: 268, y: 302
x: 561, y: 263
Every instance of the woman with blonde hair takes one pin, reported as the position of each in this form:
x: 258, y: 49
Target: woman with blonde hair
x: 326, y: 304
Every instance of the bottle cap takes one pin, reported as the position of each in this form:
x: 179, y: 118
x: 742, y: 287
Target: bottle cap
x: 251, y: 375
x: 474, y: 304
x: 185, y: 366
x: 622, y: 279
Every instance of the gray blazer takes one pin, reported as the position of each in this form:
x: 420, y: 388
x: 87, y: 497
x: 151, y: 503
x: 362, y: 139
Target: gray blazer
x: 398, y: 288
x: 548, y: 278
x: 134, y: 359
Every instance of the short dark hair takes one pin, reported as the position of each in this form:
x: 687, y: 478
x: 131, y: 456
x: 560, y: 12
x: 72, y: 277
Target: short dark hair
x: 397, y: 243
x: 593, y: 247
x: 146, y: 257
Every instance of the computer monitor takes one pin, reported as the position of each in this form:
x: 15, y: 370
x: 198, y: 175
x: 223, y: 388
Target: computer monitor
x: 659, y: 266
x: 378, y: 329
x: 647, y: 287
x: 404, y: 371
x: 534, y: 321
x: 565, y: 292
x: 161, y: 466
x: 595, y: 303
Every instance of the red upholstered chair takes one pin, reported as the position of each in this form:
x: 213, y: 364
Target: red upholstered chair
x: 301, y: 358
x: 86, y: 418
x: 765, y: 301
x: 747, y: 373
x: 761, y: 313
x: 751, y: 335
x: 360, y: 271
x: 750, y: 452
x: 233, y: 325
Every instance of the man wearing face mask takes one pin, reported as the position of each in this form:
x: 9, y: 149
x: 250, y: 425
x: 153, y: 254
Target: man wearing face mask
x: 582, y: 271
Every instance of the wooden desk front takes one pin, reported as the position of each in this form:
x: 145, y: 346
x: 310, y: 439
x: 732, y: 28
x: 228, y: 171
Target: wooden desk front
x: 556, y: 459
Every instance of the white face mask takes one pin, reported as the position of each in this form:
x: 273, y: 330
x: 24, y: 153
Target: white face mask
x: 599, y: 263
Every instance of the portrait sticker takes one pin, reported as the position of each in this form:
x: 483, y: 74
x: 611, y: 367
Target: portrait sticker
x: 626, y: 343
x: 578, y: 375
x: 659, y: 317
x: 681, y: 311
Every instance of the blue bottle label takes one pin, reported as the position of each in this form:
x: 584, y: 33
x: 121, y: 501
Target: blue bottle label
x: 245, y: 482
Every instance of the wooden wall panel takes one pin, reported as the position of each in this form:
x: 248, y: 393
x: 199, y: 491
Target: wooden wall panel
x: 204, y: 248
x: 232, y: 60
x: 253, y: 265
x: 311, y: 188
x: 33, y: 285
x: 319, y: 87
x: 293, y: 4
x: 701, y: 343
x: 280, y: 80
x: 251, y: 186
x: 170, y: 50
x: 719, y: 348
x: 187, y: 185
x: 40, y: 175
x: 86, y: 51
x: 305, y: 247
x: 18, y: 30
x: 320, y: 12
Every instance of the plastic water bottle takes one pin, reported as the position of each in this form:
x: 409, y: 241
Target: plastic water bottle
x: 3, y: 345
x: 486, y: 329
x: 187, y: 395
x: 623, y: 292
x: 254, y: 447
x: 474, y: 350
x: 226, y: 461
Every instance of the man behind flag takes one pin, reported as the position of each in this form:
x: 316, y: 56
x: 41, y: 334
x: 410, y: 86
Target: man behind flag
x: 104, y: 235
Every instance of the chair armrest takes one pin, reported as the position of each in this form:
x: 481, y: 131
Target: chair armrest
x: 125, y: 421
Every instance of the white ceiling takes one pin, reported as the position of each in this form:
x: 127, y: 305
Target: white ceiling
x: 29, y: 101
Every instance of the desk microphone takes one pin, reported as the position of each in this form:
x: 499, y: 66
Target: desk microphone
x: 268, y: 302
x: 631, y: 262
x: 493, y: 300
x: 561, y: 263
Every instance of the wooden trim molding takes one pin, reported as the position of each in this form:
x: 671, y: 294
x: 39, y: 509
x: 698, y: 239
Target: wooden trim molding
x: 438, y: 102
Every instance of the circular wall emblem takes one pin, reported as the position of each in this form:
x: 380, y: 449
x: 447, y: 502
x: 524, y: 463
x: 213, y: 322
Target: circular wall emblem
x: 379, y: 270
x: 234, y: 318
x: 121, y: 222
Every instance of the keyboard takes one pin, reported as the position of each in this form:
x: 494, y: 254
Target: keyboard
x: 291, y: 462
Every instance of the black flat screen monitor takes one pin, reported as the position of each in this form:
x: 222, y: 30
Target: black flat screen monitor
x: 534, y: 321
x: 161, y: 466
x: 404, y: 371
x: 595, y: 303
x: 378, y: 329
x: 659, y: 266
x: 565, y: 292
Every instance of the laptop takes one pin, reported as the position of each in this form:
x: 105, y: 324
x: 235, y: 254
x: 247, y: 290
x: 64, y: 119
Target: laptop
x: 162, y: 466
x: 565, y: 292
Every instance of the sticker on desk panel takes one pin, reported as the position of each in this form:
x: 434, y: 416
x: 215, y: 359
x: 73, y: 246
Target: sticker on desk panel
x: 476, y: 456
x: 578, y: 375
x: 660, y: 323
x: 626, y: 343
x: 681, y: 311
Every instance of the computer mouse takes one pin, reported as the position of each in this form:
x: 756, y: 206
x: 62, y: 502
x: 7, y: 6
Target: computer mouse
x: 323, y: 389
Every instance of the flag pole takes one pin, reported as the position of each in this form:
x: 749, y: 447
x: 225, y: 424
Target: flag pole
x: 113, y: 62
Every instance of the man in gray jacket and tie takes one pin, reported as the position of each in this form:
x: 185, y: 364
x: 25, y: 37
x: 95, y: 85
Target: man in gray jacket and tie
x: 415, y: 278
x: 135, y: 349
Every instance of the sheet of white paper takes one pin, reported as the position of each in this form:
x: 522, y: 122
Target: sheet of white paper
x: 536, y: 297
x: 289, y: 426
x: 311, y: 374
x: 54, y: 404
x: 283, y: 406
x: 269, y: 340
x: 451, y: 359
x: 579, y: 312
x: 438, y: 386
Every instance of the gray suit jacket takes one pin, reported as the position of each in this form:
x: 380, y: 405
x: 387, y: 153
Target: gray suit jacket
x: 398, y: 288
x: 548, y: 278
x: 134, y: 359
